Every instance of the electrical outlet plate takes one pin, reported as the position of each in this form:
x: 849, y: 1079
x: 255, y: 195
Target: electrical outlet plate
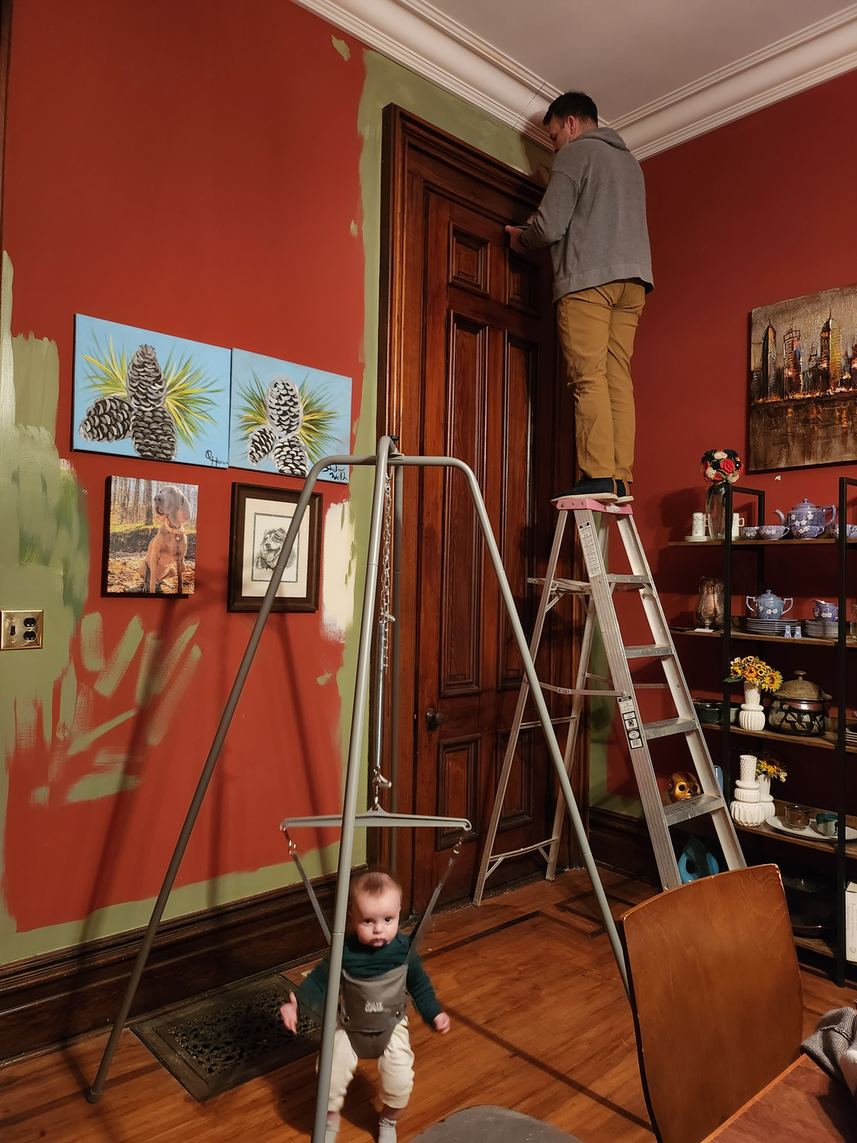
x: 21, y: 630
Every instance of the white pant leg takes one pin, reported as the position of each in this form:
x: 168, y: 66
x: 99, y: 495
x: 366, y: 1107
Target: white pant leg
x: 342, y: 1069
x: 396, y: 1068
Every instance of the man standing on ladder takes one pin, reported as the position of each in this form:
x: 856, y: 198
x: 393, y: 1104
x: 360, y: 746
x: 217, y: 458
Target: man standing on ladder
x: 593, y: 217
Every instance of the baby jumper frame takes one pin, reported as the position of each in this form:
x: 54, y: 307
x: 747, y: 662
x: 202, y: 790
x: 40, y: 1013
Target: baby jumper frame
x: 386, y: 458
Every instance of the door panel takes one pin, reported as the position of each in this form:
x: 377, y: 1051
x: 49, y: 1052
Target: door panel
x: 470, y: 372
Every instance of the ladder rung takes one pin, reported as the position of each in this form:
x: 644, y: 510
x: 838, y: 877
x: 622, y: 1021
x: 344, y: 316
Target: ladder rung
x: 563, y: 586
x: 538, y: 722
x: 692, y: 808
x: 525, y: 849
x: 629, y: 580
x: 667, y: 726
x: 654, y: 651
x: 572, y: 691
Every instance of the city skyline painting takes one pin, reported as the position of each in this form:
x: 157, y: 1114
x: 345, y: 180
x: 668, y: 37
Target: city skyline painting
x: 803, y: 381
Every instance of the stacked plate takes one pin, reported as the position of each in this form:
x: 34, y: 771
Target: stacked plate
x: 851, y: 734
x: 766, y: 626
x: 821, y: 628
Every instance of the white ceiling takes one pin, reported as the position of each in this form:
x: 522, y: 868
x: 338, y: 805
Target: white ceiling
x: 661, y: 71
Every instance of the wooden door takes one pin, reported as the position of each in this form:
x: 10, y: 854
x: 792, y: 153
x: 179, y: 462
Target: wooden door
x: 470, y: 373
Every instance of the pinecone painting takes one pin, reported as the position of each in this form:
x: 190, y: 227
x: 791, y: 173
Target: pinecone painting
x: 153, y: 434
x: 260, y: 444
x: 284, y: 405
x: 144, y: 380
x: 285, y: 426
x: 291, y: 457
x: 107, y: 420
x: 162, y: 398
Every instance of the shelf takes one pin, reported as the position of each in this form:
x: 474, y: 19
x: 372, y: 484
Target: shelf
x: 815, y: 944
x: 753, y: 543
x: 778, y: 835
x: 819, y: 741
x: 850, y: 641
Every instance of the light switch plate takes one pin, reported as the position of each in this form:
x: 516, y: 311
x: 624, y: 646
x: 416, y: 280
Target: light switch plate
x: 21, y: 630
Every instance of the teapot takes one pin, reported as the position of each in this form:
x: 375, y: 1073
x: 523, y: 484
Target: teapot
x: 807, y: 519
x: 769, y: 606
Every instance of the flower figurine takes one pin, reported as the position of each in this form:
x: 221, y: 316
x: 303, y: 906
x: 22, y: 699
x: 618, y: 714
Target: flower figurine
x: 721, y: 466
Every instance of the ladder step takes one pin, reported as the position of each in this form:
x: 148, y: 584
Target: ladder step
x: 654, y: 651
x: 629, y: 580
x: 584, y: 691
x: 562, y: 586
x: 692, y: 808
x: 667, y: 726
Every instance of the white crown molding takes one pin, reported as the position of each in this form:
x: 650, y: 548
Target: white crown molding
x: 791, y: 65
x: 427, y: 41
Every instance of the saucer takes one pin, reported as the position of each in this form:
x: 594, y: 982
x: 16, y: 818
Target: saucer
x: 810, y: 832
x: 698, y: 539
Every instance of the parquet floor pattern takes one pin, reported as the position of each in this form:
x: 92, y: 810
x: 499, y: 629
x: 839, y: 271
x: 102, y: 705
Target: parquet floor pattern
x: 540, y: 1024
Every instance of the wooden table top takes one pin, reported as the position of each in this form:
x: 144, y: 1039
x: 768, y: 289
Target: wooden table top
x: 802, y: 1105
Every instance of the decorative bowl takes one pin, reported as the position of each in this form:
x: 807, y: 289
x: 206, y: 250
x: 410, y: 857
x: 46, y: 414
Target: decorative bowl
x: 772, y: 531
x: 749, y: 532
x: 708, y: 710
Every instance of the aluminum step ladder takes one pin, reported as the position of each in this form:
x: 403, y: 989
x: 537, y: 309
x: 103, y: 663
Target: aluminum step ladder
x: 598, y: 588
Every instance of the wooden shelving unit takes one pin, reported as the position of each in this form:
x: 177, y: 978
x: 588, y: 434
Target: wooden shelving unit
x: 841, y: 855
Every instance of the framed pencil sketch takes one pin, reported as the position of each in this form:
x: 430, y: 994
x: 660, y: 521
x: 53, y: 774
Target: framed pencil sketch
x: 260, y: 521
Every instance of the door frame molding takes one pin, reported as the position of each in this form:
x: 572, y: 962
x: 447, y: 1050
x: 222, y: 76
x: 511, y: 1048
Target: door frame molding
x: 399, y: 413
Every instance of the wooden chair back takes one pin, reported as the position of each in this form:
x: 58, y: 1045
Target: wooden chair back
x: 716, y: 994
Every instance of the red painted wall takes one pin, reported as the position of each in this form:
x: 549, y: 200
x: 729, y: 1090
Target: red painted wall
x: 756, y: 212
x: 192, y: 169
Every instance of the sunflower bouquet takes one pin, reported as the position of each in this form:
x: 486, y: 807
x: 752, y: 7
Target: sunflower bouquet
x: 768, y: 765
x: 755, y: 673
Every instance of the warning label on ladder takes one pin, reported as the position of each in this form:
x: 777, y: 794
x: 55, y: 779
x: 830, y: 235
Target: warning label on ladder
x: 629, y: 719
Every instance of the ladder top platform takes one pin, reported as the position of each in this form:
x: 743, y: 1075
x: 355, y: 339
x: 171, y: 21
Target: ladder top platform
x: 576, y: 503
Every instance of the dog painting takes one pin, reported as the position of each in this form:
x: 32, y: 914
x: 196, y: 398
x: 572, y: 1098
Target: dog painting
x: 151, y: 537
x: 168, y: 547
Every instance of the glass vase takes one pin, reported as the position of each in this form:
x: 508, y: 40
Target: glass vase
x: 715, y: 511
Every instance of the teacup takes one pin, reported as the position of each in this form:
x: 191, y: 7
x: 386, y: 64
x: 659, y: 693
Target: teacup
x: 797, y: 816
x: 772, y: 531
x: 749, y: 532
x: 808, y: 531
x: 822, y: 610
x: 850, y: 531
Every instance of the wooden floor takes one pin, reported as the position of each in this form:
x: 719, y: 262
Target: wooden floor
x: 540, y: 1024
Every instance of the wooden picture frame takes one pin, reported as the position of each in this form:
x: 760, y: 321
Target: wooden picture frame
x: 259, y: 521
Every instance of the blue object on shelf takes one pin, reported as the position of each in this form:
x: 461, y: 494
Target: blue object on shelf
x: 695, y: 861
x: 718, y: 773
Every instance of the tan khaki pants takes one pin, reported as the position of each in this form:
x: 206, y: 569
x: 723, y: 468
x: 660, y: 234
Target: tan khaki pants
x: 395, y: 1066
x: 596, y: 332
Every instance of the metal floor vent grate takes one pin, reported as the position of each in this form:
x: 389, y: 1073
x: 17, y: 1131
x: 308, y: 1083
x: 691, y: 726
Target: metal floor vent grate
x: 227, y: 1037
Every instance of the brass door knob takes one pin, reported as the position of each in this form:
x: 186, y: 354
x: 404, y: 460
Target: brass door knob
x: 434, y: 718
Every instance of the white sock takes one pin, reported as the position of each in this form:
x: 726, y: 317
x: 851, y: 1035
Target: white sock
x: 386, y: 1130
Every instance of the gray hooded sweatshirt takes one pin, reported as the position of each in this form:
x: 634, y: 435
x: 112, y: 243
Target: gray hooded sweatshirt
x: 593, y: 215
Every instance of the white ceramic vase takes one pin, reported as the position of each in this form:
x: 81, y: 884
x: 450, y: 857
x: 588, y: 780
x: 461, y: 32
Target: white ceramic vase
x: 764, y: 783
x: 747, y: 809
x: 751, y: 716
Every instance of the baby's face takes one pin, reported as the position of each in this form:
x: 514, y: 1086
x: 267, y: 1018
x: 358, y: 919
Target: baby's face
x: 376, y: 919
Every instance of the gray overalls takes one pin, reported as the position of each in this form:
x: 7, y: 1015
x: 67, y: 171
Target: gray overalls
x: 369, y: 1009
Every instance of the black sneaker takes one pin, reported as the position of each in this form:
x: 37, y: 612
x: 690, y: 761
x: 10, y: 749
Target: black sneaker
x: 592, y: 488
x: 624, y: 492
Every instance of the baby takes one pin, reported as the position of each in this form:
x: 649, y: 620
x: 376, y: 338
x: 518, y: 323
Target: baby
x: 378, y: 967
